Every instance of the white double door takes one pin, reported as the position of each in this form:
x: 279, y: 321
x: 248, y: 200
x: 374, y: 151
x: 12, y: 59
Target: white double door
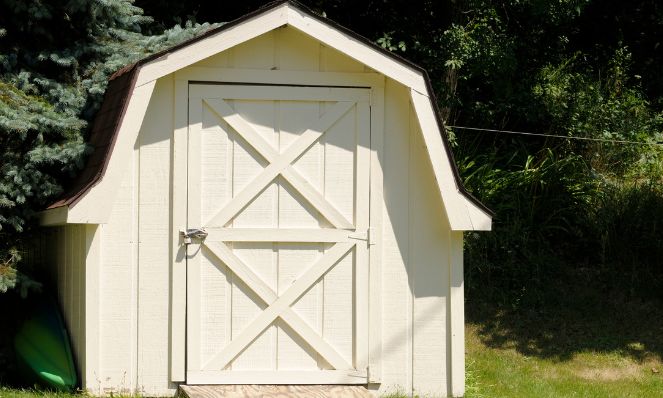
x: 278, y: 176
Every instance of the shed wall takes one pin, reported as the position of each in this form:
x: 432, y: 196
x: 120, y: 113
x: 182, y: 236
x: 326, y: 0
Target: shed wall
x: 415, y: 260
x: 134, y: 274
x: 65, y: 251
x: 134, y: 300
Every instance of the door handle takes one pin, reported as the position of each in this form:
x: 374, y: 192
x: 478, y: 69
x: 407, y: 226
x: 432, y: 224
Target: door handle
x: 190, y: 233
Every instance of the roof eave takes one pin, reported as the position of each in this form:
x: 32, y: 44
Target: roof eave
x: 54, y: 216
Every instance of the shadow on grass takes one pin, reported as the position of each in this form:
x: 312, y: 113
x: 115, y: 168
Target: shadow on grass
x: 570, y: 318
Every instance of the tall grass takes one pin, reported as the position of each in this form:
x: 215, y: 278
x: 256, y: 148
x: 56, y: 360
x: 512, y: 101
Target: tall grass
x: 624, y: 230
x: 555, y: 215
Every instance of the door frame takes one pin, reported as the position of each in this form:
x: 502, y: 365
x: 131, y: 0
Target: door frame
x: 347, y: 234
x: 200, y: 75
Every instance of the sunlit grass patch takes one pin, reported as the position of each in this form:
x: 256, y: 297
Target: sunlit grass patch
x: 6, y: 392
x: 505, y: 372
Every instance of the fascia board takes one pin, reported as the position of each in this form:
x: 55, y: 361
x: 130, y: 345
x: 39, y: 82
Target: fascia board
x: 53, y: 217
x: 481, y: 221
x: 356, y: 49
x: 214, y: 44
x: 95, y: 207
x: 454, y: 202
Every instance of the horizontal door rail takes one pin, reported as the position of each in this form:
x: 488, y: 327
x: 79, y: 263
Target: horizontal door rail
x: 281, y: 235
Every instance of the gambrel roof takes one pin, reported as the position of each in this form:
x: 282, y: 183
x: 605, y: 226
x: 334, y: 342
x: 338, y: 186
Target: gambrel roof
x: 125, y: 103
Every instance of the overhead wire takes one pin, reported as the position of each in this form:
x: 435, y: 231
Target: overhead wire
x: 556, y: 136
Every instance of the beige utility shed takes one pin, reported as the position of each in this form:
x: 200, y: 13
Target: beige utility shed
x: 273, y: 202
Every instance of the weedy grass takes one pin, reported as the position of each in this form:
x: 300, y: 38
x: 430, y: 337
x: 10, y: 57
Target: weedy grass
x: 504, y: 372
x: 7, y: 392
x: 587, y: 351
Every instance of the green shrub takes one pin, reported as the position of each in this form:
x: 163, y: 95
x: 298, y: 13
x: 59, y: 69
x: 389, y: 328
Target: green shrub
x: 555, y: 216
x: 55, y: 61
x: 538, y: 202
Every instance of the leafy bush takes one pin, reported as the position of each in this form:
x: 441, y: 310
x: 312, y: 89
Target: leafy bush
x: 555, y: 215
x: 558, y: 204
x: 580, y: 102
x: 538, y: 201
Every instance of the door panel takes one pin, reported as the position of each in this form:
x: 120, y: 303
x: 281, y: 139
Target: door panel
x: 278, y: 177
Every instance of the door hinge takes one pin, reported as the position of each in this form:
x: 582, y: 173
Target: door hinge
x: 190, y: 233
x: 368, y: 236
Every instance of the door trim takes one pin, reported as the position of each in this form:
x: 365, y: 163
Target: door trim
x: 208, y: 75
x: 278, y: 163
x: 178, y: 213
x: 178, y: 281
x: 376, y: 205
x: 278, y: 377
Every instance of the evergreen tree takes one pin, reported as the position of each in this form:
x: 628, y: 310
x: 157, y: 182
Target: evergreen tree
x: 55, y: 61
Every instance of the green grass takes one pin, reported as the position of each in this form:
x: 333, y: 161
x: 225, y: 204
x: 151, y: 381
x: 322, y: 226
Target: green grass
x: 6, y: 392
x: 527, y: 360
x: 504, y: 372
x: 29, y: 393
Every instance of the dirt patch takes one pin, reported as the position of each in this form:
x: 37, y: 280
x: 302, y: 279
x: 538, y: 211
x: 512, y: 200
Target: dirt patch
x: 627, y: 372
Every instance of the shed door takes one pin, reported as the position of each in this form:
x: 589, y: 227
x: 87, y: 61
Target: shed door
x: 277, y: 293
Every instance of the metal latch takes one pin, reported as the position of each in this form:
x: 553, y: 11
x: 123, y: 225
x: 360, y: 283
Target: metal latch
x: 368, y: 236
x: 198, y: 233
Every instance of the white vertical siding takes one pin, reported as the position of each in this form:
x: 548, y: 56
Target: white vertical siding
x: 415, y: 260
x: 429, y: 248
x: 284, y: 49
x: 134, y: 267
x: 89, y: 366
x: 154, y: 237
x: 117, y: 293
x: 397, y: 297
x: 456, y: 318
x: 63, y: 251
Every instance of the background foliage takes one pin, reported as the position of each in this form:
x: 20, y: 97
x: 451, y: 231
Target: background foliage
x: 566, y: 210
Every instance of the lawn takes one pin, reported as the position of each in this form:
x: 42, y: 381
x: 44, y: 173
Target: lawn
x: 505, y: 372
x: 29, y: 393
x: 20, y: 393
x: 582, y: 346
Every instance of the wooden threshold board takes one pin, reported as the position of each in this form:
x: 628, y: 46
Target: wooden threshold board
x: 274, y: 391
